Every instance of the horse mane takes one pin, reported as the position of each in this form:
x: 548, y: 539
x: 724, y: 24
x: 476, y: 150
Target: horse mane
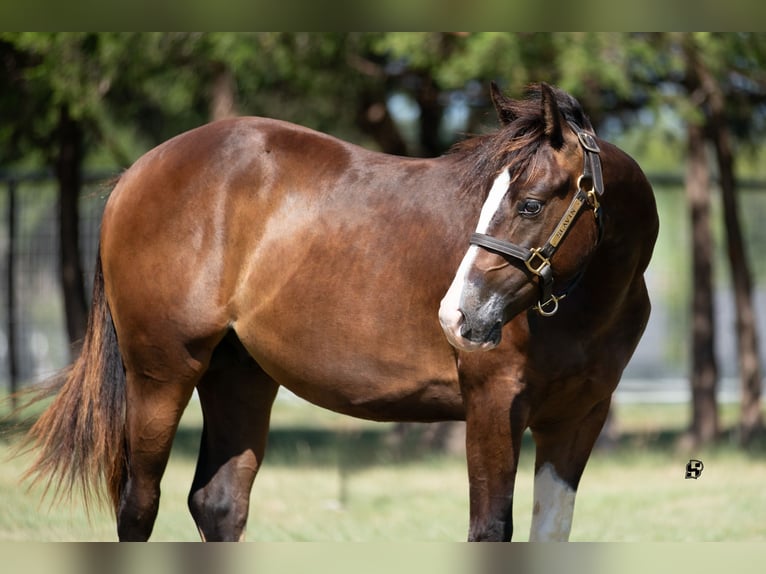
x: 515, y: 144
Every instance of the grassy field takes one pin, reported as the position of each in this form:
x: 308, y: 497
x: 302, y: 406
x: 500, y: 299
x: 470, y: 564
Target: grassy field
x: 332, y: 478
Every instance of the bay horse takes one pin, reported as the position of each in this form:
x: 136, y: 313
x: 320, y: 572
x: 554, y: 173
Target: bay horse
x: 251, y: 253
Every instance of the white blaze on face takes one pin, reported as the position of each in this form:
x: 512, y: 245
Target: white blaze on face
x: 449, y: 310
x: 553, y: 509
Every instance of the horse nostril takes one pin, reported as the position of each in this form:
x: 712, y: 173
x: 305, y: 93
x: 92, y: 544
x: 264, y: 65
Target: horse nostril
x: 496, y: 333
x: 493, y: 335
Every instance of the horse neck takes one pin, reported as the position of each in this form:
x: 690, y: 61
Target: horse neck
x: 612, y: 283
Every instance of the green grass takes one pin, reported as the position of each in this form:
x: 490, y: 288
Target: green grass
x: 332, y: 478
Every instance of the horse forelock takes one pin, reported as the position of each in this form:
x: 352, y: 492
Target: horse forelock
x: 483, y: 157
x: 515, y: 145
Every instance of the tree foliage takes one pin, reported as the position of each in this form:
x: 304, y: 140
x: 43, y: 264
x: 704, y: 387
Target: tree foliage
x: 148, y: 86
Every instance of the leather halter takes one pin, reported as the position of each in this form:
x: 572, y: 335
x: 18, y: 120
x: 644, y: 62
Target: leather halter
x: 590, y: 185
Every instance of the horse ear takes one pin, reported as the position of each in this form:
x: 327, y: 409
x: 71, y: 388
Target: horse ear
x: 553, y: 119
x: 502, y: 105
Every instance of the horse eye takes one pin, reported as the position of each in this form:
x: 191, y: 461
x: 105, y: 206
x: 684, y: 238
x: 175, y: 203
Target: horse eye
x: 530, y: 207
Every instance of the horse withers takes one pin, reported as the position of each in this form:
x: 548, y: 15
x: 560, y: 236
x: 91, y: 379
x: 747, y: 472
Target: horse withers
x: 252, y: 253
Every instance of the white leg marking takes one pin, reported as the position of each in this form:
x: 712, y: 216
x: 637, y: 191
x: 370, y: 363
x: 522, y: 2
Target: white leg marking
x: 449, y: 313
x: 553, y: 508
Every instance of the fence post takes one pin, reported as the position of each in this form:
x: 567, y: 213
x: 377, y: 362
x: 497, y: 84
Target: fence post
x: 13, y: 361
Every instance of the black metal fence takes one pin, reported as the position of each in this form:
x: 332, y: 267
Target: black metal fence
x: 33, y: 341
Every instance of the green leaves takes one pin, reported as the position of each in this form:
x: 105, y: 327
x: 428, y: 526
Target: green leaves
x: 132, y: 90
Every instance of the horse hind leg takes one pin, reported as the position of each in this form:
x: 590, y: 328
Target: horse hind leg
x: 236, y: 398
x: 157, y: 394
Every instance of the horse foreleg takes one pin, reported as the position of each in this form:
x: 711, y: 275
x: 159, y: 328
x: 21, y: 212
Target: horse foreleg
x: 495, y: 423
x: 236, y: 404
x: 562, y: 453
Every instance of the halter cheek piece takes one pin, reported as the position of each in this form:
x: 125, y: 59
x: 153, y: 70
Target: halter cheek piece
x: 590, y: 185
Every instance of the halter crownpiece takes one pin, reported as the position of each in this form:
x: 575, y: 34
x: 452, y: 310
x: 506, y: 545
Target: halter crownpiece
x: 592, y: 161
x: 537, y: 259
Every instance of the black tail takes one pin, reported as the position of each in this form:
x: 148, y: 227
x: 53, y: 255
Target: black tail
x: 81, y: 435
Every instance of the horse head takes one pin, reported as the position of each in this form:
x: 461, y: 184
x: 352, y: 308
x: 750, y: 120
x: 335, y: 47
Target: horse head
x: 539, y: 224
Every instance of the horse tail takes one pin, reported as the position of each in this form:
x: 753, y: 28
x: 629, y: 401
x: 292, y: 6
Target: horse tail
x: 80, y: 437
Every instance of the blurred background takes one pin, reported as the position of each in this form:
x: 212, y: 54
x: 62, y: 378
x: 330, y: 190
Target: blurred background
x: 77, y: 108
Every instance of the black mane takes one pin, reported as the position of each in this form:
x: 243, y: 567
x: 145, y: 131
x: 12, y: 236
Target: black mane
x: 516, y: 143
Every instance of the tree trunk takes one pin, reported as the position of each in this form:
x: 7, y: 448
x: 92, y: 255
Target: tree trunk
x: 68, y: 163
x: 431, y: 112
x: 223, y: 94
x: 374, y: 119
x: 751, y: 421
x: 704, y: 375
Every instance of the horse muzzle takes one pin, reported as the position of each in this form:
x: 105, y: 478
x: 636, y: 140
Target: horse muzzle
x: 469, y: 335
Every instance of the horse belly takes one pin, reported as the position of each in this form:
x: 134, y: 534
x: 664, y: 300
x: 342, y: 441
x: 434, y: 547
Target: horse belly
x: 344, y: 367
x: 355, y: 332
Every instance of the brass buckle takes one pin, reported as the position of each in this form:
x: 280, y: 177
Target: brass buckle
x: 591, y: 195
x: 540, y: 307
x: 544, y: 261
x: 579, y: 183
x: 593, y: 200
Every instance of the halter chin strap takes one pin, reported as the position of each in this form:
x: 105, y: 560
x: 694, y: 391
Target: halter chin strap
x: 590, y: 186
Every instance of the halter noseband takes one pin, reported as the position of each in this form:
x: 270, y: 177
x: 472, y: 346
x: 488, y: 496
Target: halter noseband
x: 537, y: 259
